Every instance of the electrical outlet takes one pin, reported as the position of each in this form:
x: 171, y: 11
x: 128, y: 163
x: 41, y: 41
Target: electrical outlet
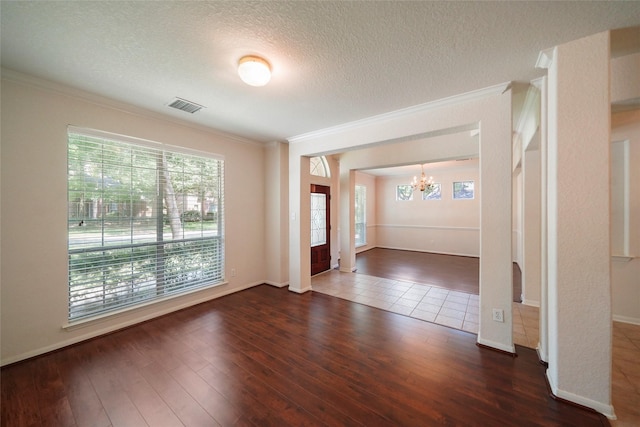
x: 498, y: 315
x: 233, y: 273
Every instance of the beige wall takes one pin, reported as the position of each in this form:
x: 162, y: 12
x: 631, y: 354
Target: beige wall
x: 441, y: 226
x: 35, y: 116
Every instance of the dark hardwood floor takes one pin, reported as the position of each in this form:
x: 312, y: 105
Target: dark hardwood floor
x: 270, y: 357
x: 457, y: 273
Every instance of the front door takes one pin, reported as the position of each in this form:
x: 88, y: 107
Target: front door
x: 320, y: 229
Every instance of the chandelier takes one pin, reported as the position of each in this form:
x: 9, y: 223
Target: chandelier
x: 424, y: 184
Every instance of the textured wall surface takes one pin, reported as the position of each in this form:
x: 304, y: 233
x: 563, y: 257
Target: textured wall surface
x: 579, y: 218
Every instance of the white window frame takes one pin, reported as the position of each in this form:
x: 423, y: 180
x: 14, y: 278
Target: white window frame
x: 113, y: 272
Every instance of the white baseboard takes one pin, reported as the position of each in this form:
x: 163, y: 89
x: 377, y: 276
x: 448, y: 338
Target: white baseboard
x: 626, y: 319
x: 300, y: 291
x: 428, y: 252
x: 603, y: 408
x: 277, y: 285
x: 542, y: 356
x: 530, y: 302
x: 499, y: 346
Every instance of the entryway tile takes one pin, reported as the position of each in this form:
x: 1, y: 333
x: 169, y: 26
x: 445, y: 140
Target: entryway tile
x: 449, y: 321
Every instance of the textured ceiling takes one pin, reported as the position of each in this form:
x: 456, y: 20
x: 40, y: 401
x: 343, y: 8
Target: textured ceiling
x: 333, y: 62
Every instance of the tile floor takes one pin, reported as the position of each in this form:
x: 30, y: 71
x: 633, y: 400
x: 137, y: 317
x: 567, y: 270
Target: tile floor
x: 525, y: 325
x: 460, y: 310
x: 625, y: 386
x: 430, y: 303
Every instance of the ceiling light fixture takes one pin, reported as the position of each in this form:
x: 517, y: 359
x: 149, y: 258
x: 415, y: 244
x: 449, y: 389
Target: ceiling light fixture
x: 424, y: 184
x: 254, y: 70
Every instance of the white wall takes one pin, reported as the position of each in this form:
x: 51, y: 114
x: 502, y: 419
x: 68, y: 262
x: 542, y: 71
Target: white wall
x: 448, y: 226
x: 625, y: 271
x: 35, y: 116
x: 579, y: 271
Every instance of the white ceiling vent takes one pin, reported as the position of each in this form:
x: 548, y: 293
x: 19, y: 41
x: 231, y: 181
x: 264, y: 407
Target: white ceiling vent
x: 184, y: 105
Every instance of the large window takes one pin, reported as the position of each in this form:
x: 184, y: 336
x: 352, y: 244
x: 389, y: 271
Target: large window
x: 144, y: 222
x: 361, y: 215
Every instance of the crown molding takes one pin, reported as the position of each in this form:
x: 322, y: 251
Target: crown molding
x: 529, y: 107
x: 440, y: 103
x: 99, y: 100
x: 538, y: 83
x: 545, y: 58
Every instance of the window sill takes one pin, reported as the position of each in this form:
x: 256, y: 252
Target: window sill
x: 102, y: 318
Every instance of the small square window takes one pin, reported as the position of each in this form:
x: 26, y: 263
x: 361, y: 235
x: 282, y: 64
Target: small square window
x: 404, y: 192
x: 463, y: 190
x: 434, y: 194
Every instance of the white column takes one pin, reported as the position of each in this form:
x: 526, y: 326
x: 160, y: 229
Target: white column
x: 276, y: 215
x: 578, y: 223
x: 543, y: 343
x: 347, y: 220
x: 496, y: 270
x: 299, y: 223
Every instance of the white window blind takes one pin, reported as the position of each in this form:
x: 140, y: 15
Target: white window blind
x: 144, y: 223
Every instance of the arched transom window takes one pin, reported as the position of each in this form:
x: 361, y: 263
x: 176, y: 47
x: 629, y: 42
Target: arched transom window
x: 319, y: 166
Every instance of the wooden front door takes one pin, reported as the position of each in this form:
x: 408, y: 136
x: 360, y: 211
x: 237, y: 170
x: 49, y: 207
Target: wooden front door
x: 320, y: 229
